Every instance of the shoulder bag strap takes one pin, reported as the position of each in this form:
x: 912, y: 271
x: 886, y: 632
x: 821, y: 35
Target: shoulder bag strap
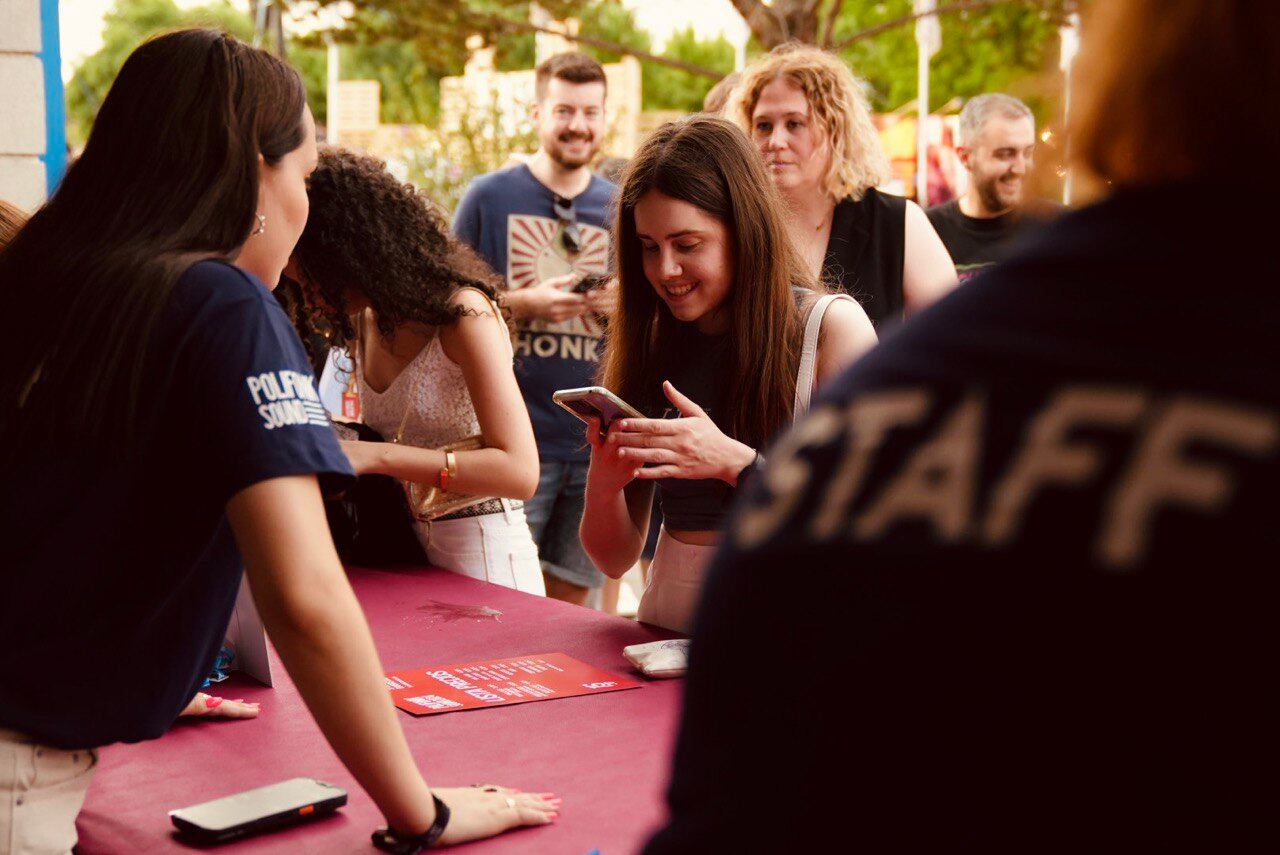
x: 809, y: 353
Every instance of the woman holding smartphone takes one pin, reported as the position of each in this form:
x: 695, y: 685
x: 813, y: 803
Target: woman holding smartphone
x: 433, y: 363
x: 159, y: 438
x: 719, y: 326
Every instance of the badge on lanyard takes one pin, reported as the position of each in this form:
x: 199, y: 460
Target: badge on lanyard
x: 351, y: 401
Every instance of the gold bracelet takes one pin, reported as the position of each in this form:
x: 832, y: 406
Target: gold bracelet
x: 449, y: 472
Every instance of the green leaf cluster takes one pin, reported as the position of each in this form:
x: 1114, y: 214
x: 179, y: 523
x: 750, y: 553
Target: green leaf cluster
x: 987, y: 50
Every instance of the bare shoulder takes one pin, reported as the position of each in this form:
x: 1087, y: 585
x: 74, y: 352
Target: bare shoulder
x: 846, y: 334
x: 845, y: 316
x: 477, y: 331
x: 472, y: 300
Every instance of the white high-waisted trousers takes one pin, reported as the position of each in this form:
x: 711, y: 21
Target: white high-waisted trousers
x: 494, y: 547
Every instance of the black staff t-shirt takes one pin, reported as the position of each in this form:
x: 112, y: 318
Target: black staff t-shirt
x: 119, y: 578
x: 1012, y: 584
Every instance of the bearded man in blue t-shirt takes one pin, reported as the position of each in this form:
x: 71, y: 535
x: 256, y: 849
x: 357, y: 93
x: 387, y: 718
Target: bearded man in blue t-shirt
x: 544, y: 225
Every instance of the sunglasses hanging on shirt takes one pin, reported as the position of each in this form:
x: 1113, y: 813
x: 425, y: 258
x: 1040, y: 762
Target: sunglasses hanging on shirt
x: 570, y: 234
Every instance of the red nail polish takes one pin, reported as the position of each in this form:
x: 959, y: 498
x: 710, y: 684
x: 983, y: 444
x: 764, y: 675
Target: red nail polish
x: 553, y: 816
x: 211, y: 703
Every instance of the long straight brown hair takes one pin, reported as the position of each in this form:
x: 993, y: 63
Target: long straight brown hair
x: 168, y: 176
x: 708, y: 162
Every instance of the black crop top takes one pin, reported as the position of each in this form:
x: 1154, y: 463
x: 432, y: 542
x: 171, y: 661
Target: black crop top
x: 700, y: 505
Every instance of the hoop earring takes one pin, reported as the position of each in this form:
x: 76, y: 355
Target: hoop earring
x: 262, y: 225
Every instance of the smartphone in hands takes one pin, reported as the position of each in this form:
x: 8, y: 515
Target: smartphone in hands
x: 595, y: 402
x: 590, y: 282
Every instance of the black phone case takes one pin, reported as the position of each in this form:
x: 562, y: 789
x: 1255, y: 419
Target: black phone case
x: 272, y: 822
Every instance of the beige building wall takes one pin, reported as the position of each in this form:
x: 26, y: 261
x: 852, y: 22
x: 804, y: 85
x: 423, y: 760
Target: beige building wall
x: 22, y: 125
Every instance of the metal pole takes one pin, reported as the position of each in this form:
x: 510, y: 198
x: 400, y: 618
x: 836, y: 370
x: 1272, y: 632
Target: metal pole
x: 333, y: 73
x: 277, y: 14
x: 928, y: 41
x: 922, y: 131
x: 1070, y: 36
x: 260, y: 22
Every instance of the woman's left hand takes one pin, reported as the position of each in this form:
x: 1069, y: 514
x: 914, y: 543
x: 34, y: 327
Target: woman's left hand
x: 689, y: 447
x: 213, y: 706
x: 365, y: 457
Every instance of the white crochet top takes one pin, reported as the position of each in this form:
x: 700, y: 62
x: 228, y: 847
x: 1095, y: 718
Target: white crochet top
x: 432, y: 391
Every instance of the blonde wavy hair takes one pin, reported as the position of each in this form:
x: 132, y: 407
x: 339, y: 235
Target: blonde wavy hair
x: 838, y: 104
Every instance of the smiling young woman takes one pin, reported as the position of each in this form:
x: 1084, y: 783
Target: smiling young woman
x: 713, y: 327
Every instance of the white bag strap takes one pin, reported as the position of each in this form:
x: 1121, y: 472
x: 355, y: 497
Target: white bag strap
x: 809, y: 353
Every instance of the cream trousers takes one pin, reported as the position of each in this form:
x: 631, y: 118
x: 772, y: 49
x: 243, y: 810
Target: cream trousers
x: 41, y: 791
x: 675, y: 583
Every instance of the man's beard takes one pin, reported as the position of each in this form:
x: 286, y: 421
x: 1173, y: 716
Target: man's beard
x: 558, y: 154
x: 989, y: 193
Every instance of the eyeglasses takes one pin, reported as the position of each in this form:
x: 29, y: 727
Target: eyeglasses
x: 570, y: 234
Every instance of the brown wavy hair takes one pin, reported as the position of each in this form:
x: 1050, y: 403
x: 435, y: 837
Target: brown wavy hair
x: 372, y: 233
x: 1168, y: 87
x: 840, y: 108
x: 709, y: 162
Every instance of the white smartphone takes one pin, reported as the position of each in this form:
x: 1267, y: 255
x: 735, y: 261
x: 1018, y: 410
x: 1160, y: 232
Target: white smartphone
x: 264, y: 809
x: 596, y: 402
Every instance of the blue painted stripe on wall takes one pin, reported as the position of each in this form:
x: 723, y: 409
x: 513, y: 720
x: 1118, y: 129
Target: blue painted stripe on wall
x: 55, y: 111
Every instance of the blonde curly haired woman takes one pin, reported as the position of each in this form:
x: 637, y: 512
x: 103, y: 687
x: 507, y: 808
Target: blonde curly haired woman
x: 809, y: 117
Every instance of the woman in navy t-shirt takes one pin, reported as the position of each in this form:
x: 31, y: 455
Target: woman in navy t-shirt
x: 158, y: 421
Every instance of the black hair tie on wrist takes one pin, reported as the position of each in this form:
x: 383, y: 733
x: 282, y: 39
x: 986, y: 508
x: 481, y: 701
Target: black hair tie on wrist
x: 390, y: 840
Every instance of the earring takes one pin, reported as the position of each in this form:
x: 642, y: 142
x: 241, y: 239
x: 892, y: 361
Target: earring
x: 262, y: 225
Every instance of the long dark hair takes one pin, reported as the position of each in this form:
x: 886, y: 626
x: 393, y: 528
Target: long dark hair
x: 371, y: 233
x: 168, y: 176
x: 708, y: 162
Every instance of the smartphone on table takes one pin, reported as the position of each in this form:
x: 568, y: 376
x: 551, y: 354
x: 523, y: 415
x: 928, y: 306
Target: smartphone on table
x: 596, y: 402
x: 263, y: 809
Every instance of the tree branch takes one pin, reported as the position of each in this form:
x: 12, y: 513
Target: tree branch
x: 501, y: 23
x: 764, y: 21
x: 829, y: 24
x: 968, y: 5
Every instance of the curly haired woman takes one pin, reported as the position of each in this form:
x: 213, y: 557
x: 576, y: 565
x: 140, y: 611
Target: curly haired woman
x: 433, y: 361
x: 808, y: 115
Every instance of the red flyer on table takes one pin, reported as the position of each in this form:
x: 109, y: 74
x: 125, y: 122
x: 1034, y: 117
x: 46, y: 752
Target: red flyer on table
x: 499, y: 682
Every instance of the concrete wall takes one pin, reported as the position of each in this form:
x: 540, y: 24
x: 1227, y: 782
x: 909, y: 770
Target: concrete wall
x: 24, y: 132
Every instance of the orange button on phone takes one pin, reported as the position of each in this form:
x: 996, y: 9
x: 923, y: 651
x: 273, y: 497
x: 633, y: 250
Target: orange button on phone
x: 306, y: 810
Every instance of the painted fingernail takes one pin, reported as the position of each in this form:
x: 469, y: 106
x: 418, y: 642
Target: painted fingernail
x: 212, y: 702
x: 553, y: 816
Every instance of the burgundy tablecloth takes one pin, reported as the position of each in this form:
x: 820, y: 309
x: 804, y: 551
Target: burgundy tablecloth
x: 607, y: 755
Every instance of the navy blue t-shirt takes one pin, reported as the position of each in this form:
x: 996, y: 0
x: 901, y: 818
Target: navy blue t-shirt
x: 119, y: 579
x: 507, y: 217
x: 1012, y: 584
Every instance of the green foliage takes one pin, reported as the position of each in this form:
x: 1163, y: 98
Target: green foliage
x: 988, y: 50
x: 125, y: 27
x: 672, y: 89
x: 442, y: 163
x: 410, y: 88
x: 410, y: 85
